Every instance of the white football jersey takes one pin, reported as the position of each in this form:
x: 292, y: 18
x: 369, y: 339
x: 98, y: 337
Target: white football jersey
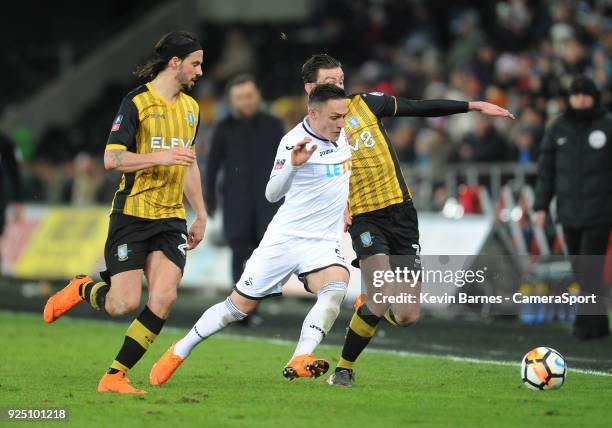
x: 314, y: 204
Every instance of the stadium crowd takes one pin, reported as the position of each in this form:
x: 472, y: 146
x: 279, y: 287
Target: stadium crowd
x: 518, y: 54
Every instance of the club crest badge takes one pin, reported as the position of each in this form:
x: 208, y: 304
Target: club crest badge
x: 191, y: 119
x: 122, y: 252
x: 366, y: 239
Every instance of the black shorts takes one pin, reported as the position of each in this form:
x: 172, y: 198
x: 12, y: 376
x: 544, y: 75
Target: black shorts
x: 393, y: 230
x: 131, y: 239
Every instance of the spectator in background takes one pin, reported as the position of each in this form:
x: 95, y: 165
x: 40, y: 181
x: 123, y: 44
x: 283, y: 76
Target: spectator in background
x: 484, y: 144
x: 401, y: 133
x: 468, y: 38
x: 238, y: 57
x: 10, y: 167
x: 86, y: 182
x: 243, y: 147
x: 576, y: 166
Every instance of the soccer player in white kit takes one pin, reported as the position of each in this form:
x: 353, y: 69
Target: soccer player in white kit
x: 311, y: 170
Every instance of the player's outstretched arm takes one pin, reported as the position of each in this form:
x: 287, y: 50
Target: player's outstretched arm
x: 126, y: 161
x: 193, y: 192
x: 283, y: 171
x: 489, y: 109
x: 388, y: 106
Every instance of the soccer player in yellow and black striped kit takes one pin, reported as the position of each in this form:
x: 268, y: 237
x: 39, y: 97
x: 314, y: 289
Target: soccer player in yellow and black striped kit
x: 383, y: 220
x: 151, y: 142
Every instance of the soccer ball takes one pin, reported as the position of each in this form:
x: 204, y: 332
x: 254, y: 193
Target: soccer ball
x: 543, y: 368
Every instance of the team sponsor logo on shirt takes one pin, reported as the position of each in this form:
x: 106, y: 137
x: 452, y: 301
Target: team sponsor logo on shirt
x: 117, y: 123
x: 279, y: 163
x: 190, y: 119
x: 366, y: 239
x: 338, y: 169
x: 122, y: 252
x: 163, y: 143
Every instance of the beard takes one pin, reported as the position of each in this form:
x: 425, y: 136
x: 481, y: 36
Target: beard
x: 186, y: 84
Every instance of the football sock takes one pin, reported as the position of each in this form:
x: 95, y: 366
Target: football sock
x: 391, y: 318
x: 361, y: 329
x: 321, y: 317
x: 95, y: 294
x: 138, y: 337
x: 213, y: 320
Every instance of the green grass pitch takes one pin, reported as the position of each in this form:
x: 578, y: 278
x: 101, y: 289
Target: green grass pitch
x: 229, y: 381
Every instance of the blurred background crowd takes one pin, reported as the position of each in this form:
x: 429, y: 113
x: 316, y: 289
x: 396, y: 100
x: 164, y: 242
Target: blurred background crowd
x: 519, y: 54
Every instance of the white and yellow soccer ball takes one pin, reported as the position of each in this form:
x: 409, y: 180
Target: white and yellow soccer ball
x: 543, y: 368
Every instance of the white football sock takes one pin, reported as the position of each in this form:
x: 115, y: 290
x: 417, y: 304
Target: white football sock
x: 321, y: 317
x: 213, y: 320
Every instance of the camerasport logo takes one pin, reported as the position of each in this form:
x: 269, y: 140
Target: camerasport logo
x: 117, y: 123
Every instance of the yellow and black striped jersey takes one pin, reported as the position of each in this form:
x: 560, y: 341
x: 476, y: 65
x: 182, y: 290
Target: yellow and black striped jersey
x: 148, y: 123
x: 377, y: 180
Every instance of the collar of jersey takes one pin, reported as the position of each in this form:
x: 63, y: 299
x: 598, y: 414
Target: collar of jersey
x: 308, y: 129
x: 162, y: 99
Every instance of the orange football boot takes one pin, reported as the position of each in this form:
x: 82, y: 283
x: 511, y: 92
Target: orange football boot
x: 305, y: 365
x: 360, y: 300
x: 117, y: 382
x: 65, y: 299
x: 163, y: 369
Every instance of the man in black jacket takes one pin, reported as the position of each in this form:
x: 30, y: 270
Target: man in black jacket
x: 243, y: 147
x: 576, y: 166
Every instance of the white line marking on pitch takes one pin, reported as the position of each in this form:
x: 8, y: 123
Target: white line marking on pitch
x: 407, y: 354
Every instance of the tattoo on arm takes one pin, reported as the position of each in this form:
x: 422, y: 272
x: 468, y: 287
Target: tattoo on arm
x: 117, y: 158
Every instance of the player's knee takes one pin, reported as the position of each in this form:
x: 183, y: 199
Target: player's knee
x: 334, y: 291
x: 163, y: 299
x: 406, y: 320
x: 246, y: 306
x: 131, y: 305
x: 122, y: 306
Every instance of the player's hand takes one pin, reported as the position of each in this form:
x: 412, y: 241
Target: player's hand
x: 348, y: 219
x: 196, y: 233
x: 177, y: 156
x: 489, y: 109
x: 539, y: 218
x: 300, y: 153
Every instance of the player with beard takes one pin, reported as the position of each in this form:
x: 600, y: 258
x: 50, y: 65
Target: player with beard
x: 151, y: 142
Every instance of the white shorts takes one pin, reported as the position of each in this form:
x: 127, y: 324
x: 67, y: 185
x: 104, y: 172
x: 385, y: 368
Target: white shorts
x: 271, y: 265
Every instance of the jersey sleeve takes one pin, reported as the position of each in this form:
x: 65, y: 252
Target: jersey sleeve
x: 195, y: 136
x: 198, y: 119
x: 380, y: 104
x: 388, y: 106
x: 125, y: 126
x: 282, y: 173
